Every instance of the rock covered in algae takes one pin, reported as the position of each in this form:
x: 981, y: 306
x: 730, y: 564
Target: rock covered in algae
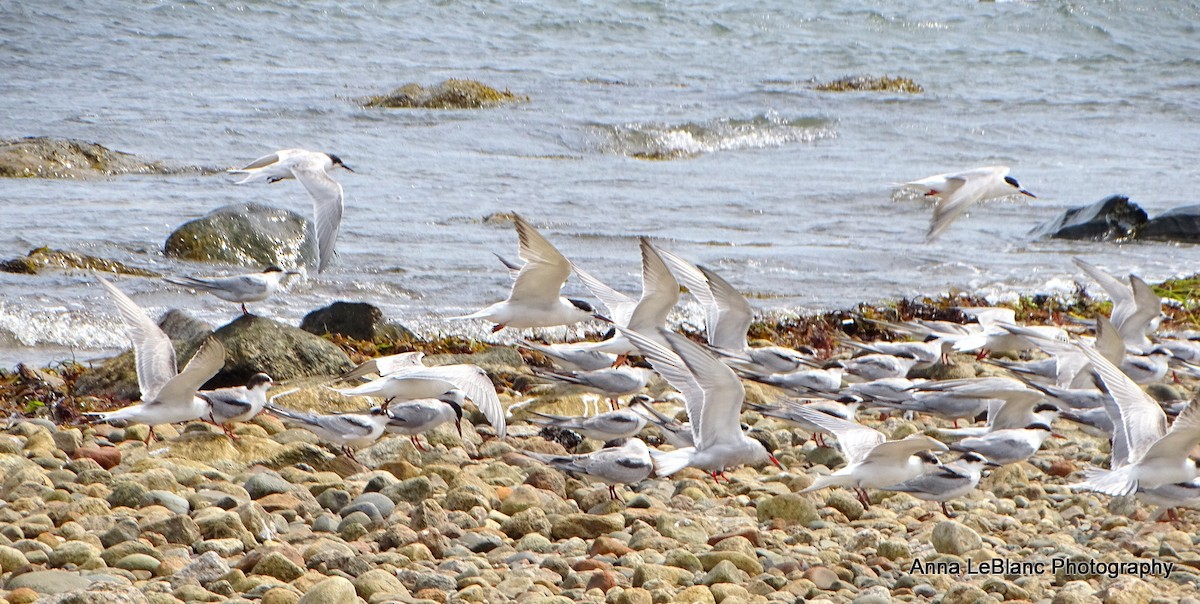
x: 450, y: 94
x: 47, y: 258
x: 872, y: 84
x: 44, y: 157
x: 246, y: 234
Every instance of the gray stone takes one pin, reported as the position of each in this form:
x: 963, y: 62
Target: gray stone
x: 266, y: 483
x: 355, y: 320
x: 381, y: 502
x: 175, y: 529
x: 950, y: 537
x: 334, y: 590
x: 205, y: 569
x: 49, y: 581
x: 168, y: 500
x: 334, y: 499
x: 1113, y: 218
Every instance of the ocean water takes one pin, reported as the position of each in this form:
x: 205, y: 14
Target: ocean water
x: 783, y: 189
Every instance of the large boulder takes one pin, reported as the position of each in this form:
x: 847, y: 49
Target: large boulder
x: 450, y: 94
x: 1177, y: 224
x: 254, y: 344
x: 43, y: 157
x: 47, y: 258
x: 356, y: 320
x: 246, y: 234
x: 1113, y: 218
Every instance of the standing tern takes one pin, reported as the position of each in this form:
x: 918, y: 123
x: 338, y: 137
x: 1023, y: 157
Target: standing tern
x: 413, y: 418
x: 535, y: 300
x: 346, y: 430
x: 787, y: 411
x: 1145, y: 454
x: 237, y: 404
x: 581, y: 356
x: 628, y: 463
x: 613, y: 425
x: 239, y: 289
x: 956, y: 192
x: 168, y: 396
x: 713, y: 398
x: 727, y: 318
x: 872, y: 462
x: 677, y: 434
x: 612, y: 382
x: 1009, y: 445
x: 311, y: 168
x: 946, y: 482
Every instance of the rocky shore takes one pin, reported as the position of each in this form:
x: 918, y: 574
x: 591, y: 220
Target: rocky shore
x: 94, y: 514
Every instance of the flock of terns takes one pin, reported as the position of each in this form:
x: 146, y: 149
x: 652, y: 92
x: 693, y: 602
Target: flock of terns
x: 1092, y: 379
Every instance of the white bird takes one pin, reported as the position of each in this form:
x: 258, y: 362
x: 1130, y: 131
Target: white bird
x: 677, y: 434
x: 581, y: 356
x: 1136, y: 310
x: 1009, y: 445
x: 412, y: 418
x: 167, y: 396
x: 311, y: 168
x: 645, y: 315
x: 946, y: 482
x: 956, y: 192
x: 1145, y: 454
x: 384, y: 365
x: 803, y: 383
x: 404, y: 381
x: 871, y: 367
x: 727, y: 318
x: 534, y: 300
x: 628, y: 463
x: 622, y: 423
x: 240, y: 289
x: 786, y: 411
x: 713, y: 398
x: 872, y: 462
x: 612, y: 382
x: 346, y: 430
x: 237, y: 404
x: 932, y: 349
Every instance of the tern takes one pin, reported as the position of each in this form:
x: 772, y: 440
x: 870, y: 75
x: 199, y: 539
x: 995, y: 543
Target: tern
x: 645, y: 315
x: 346, y: 430
x: 946, y: 482
x: 237, y: 404
x: 727, y: 318
x: 405, y: 381
x: 239, y: 289
x: 872, y: 462
x: 956, y: 192
x: 613, y: 382
x: 1145, y: 454
x: 613, y: 425
x: 1009, y: 445
x: 677, y: 434
x: 413, y: 418
x: 804, y: 382
x: 168, y: 396
x: 311, y: 168
x: 713, y: 398
x: 534, y: 300
x: 582, y: 356
x: 1136, y: 311
x: 786, y: 411
x: 628, y: 463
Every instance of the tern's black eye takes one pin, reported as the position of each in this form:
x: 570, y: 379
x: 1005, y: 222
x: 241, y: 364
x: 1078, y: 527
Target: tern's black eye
x: 1012, y: 181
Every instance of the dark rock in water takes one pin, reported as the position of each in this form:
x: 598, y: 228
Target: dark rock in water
x: 1177, y: 224
x: 872, y: 84
x: 357, y: 320
x: 254, y: 344
x: 43, y: 157
x: 450, y: 94
x: 1113, y: 218
x: 247, y: 234
x: 46, y: 258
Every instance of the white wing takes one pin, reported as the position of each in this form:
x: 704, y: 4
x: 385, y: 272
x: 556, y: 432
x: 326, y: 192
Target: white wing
x: 1120, y: 294
x: 620, y: 307
x: 855, y: 440
x: 897, y: 451
x: 473, y: 382
x: 1141, y: 419
x: 207, y: 361
x: 382, y: 366
x: 1180, y: 439
x: 958, y: 193
x: 152, y: 349
x: 660, y: 292
x: 545, y: 270
x: 1147, y: 309
x: 327, y: 199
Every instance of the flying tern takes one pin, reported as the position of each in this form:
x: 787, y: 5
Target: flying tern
x: 311, y: 168
x: 956, y: 192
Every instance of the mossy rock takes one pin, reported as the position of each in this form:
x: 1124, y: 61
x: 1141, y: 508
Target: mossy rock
x: 245, y: 234
x: 872, y: 84
x: 450, y: 94
x: 44, y: 157
x: 47, y: 258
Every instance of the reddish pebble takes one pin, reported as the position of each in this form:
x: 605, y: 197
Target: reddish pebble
x: 603, y: 580
x: 608, y: 545
x: 107, y: 457
x: 1061, y: 468
x: 590, y: 564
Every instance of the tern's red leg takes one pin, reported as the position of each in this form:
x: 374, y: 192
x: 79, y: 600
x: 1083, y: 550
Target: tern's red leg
x: 946, y: 510
x: 416, y: 443
x: 498, y: 327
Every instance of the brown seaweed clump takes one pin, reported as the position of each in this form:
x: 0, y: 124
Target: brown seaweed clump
x: 450, y: 94
x: 47, y: 258
x: 872, y: 84
x: 44, y: 157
